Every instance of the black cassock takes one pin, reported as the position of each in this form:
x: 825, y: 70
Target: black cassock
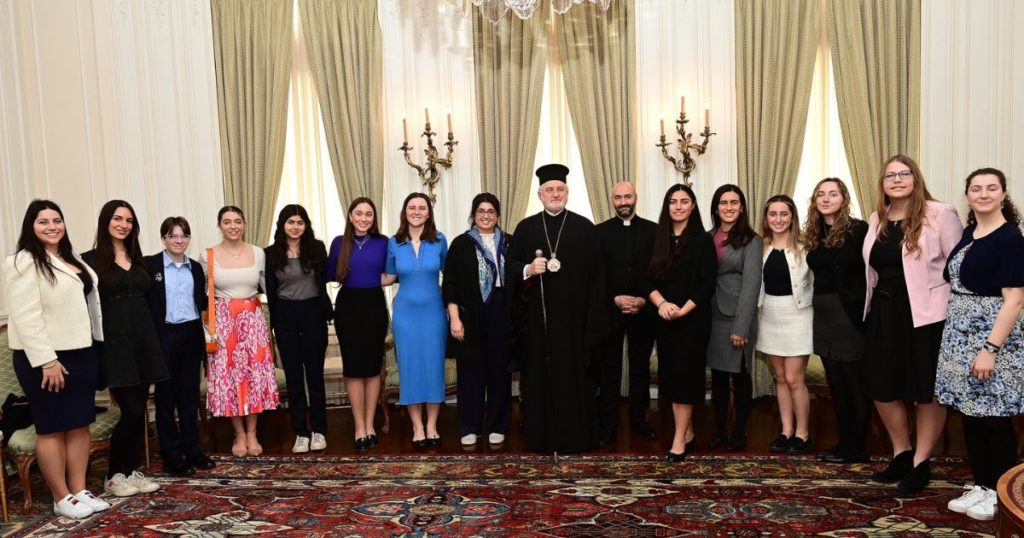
x: 556, y: 381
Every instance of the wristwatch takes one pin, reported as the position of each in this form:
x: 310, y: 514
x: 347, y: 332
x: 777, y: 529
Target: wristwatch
x: 990, y: 347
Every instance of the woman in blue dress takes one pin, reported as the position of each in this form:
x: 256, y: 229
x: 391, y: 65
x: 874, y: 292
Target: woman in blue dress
x: 416, y: 255
x: 981, y: 362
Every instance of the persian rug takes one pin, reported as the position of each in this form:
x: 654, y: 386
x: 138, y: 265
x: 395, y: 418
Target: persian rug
x: 526, y: 495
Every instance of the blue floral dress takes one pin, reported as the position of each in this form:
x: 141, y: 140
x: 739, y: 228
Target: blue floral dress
x: 970, y: 317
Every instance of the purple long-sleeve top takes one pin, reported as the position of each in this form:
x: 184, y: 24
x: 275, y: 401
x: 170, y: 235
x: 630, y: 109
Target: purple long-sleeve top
x: 365, y: 264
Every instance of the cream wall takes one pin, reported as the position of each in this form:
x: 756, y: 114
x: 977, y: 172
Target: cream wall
x: 972, y: 94
x: 103, y: 99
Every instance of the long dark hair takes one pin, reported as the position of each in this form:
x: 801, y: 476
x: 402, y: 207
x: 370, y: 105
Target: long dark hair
x: 741, y: 232
x: 1009, y: 210
x: 311, y: 255
x: 429, y: 232
x: 28, y: 242
x: 104, y: 255
x: 485, y: 198
x: 664, y: 247
x: 348, y: 239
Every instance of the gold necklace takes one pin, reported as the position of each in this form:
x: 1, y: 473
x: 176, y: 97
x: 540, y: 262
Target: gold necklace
x: 232, y: 254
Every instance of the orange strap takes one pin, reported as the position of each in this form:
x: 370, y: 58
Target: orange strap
x: 211, y: 315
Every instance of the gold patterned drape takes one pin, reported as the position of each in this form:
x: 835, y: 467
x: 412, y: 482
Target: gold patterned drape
x: 509, y: 61
x: 597, y: 52
x: 343, y: 41
x: 876, y: 57
x: 776, y: 45
x: 252, y: 59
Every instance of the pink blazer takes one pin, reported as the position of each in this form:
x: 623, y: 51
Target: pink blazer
x: 927, y: 290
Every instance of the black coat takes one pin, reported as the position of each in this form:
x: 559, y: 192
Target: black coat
x: 626, y: 252
x: 461, y: 286
x: 848, y: 265
x: 270, y: 281
x: 157, y: 294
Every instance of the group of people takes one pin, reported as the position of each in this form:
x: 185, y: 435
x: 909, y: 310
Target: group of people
x: 908, y: 307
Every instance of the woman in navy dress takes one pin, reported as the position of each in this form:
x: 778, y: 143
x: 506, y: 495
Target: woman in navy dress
x: 416, y: 255
x: 981, y: 361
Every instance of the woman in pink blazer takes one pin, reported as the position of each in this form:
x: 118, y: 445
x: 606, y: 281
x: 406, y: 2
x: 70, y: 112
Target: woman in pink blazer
x: 909, y: 237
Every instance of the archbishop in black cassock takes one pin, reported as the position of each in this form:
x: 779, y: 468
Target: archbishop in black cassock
x: 556, y: 382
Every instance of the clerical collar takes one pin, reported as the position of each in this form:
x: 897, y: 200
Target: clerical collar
x: 627, y: 222
x: 550, y: 214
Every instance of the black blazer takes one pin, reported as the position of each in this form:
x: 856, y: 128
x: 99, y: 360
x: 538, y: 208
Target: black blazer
x: 157, y: 294
x: 625, y: 270
x: 270, y: 280
x: 692, y: 276
x: 851, y: 280
x: 461, y: 286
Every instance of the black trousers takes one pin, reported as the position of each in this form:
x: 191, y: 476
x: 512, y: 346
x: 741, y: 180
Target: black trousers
x: 184, y: 348
x: 126, y: 440
x: 851, y: 405
x: 487, y: 379
x: 639, y: 329
x: 743, y: 394
x: 301, y: 331
x: 991, y: 448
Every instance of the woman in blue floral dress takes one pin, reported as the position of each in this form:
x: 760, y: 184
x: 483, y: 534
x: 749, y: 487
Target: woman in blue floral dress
x: 981, y: 363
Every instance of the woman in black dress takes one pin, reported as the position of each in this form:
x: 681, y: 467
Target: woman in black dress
x: 474, y: 292
x: 299, y: 311
x: 680, y: 285
x: 132, y: 358
x: 834, y: 240
x: 356, y: 261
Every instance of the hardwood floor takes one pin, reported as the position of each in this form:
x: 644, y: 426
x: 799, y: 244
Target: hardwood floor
x: 277, y: 437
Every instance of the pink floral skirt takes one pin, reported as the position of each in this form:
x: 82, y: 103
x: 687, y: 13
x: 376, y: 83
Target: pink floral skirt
x: 240, y: 374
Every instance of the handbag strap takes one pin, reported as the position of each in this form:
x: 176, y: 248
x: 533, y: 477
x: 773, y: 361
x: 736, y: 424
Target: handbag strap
x: 211, y: 315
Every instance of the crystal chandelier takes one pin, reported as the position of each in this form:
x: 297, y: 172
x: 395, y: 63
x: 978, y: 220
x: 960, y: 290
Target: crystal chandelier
x: 495, y: 10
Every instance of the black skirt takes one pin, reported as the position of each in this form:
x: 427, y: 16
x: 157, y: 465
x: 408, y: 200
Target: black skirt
x: 835, y: 336
x: 70, y: 408
x: 682, y: 355
x: 900, y: 360
x: 361, y: 323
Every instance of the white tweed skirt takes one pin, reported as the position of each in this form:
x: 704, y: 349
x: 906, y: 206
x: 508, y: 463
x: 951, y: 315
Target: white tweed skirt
x: 783, y: 329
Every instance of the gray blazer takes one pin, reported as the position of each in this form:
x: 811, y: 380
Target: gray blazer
x: 735, y: 305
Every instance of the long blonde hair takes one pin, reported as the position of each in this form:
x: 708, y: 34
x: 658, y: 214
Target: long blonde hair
x: 840, y: 225
x: 919, y: 197
x: 796, y: 243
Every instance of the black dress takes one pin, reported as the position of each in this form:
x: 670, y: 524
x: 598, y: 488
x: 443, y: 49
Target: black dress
x: 900, y: 360
x: 131, y: 353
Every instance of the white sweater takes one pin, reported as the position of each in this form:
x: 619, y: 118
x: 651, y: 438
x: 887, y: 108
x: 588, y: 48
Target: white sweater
x: 45, y: 318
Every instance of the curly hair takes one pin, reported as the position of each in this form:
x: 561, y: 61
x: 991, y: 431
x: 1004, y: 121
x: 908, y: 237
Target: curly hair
x: 1009, y: 210
x: 814, y: 225
x: 919, y: 197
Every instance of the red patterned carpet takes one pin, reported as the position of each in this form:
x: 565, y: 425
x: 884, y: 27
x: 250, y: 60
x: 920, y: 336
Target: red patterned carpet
x: 498, y: 496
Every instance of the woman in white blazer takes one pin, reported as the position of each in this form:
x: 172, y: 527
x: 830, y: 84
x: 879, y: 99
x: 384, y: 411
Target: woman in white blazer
x: 785, y: 320
x: 54, y: 310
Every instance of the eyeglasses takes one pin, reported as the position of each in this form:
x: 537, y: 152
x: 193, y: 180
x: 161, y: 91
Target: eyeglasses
x: 177, y: 237
x: 902, y: 175
x: 486, y: 212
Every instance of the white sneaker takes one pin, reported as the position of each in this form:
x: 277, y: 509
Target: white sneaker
x: 469, y: 439
x: 97, y: 504
x: 71, y: 507
x: 318, y: 442
x: 118, y: 486
x: 301, y: 445
x: 496, y: 438
x: 970, y: 498
x: 985, y: 509
x: 141, y: 483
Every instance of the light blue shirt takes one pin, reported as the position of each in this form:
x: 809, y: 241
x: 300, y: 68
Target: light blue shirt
x: 180, y: 288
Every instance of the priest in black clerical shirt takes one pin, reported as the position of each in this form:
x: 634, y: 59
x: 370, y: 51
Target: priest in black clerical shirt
x: 626, y: 242
x: 558, y: 334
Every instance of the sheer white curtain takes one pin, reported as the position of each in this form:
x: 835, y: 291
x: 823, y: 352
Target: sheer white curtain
x: 307, y: 177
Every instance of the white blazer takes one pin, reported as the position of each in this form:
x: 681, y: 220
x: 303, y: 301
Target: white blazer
x: 44, y: 318
x: 800, y: 276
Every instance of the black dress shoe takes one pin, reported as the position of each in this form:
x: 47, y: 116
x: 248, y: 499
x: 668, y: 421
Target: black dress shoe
x: 780, y: 444
x: 829, y: 454
x: 672, y: 457
x: 798, y: 446
x: 717, y: 441
x: 898, y: 467
x: 419, y: 444
x: 845, y: 459
x: 606, y: 438
x: 434, y: 442
x: 200, y: 461
x: 362, y: 444
x: 644, y: 429
x: 178, y: 467
x: 691, y: 445
x: 371, y: 441
x: 917, y: 479
x: 736, y: 443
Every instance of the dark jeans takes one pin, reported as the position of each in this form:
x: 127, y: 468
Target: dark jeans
x: 487, y: 378
x: 851, y: 405
x: 743, y: 394
x: 639, y: 329
x: 126, y: 441
x: 301, y: 332
x: 184, y: 349
x: 991, y: 448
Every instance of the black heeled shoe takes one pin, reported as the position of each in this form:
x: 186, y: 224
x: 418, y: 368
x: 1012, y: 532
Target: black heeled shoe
x: 672, y: 457
x: 717, y: 441
x: 419, y: 444
x: 434, y: 442
x: 917, y: 479
x: 691, y: 445
x: 898, y: 467
x: 780, y: 444
x: 361, y: 444
x: 371, y: 441
x: 737, y: 443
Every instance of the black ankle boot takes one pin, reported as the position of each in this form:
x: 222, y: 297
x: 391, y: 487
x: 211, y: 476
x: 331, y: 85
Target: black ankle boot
x: 898, y: 467
x: 917, y: 479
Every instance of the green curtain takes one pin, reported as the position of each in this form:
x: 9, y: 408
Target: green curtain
x: 876, y: 58
x: 343, y: 42
x: 252, y: 59
x: 597, y: 51
x: 776, y: 45
x: 509, y: 62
